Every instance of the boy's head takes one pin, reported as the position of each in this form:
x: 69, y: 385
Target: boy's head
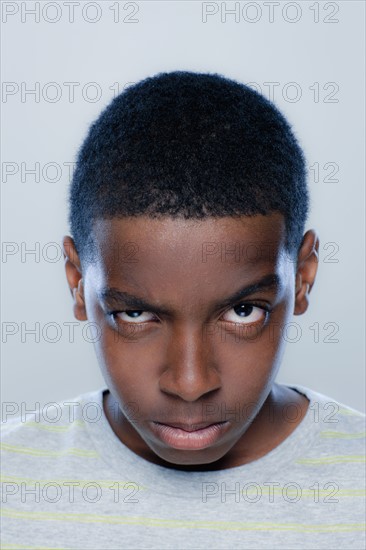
x: 187, y: 211
x: 188, y: 145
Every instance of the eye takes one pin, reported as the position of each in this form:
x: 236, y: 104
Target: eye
x: 133, y: 316
x: 246, y: 314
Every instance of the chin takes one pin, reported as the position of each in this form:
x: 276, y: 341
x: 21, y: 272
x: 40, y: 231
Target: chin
x: 189, y: 458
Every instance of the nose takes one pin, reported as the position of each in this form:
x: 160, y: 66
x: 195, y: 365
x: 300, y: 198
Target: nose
x: 189, y: 371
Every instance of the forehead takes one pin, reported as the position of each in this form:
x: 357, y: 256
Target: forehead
x: 174, y: 248
x: 159, y: 232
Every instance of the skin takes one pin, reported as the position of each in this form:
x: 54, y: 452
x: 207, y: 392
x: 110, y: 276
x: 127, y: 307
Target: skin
x: 196, y: 360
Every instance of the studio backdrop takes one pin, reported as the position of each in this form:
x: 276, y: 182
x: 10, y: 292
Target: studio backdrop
x: 62, y: 62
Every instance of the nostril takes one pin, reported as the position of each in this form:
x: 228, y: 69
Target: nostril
x: 190, y: 370
x: 189, y: 384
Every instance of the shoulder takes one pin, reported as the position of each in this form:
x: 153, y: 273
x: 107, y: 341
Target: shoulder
x: 327, y: 410
x: 48, y: 429
x: 337, y: 432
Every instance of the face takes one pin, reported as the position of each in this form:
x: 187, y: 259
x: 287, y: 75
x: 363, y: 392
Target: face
x: 190, y: 317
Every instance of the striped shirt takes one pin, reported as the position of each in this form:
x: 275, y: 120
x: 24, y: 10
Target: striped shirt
x: 68, y: 482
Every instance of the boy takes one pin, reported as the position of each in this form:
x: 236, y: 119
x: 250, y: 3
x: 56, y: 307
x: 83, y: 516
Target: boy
x: 187, y: 210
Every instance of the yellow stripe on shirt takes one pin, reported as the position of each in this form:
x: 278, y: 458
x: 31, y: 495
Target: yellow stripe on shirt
x: 41, y: 452
x: 332, y: 459
x: 185, y: 524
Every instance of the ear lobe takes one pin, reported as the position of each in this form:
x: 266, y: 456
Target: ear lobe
x: 78, y: 293
x: 302, y: 299
x: 74, y: 278
x: 80, y: 290
x: 298, y: 283
x: 307, y: 268
x: 79, y: 302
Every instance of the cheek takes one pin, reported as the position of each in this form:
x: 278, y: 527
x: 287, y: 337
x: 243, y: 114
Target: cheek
x: 252, y: 364
x: 274, y: 337
x: 255, y: 358
x: 126, y: 366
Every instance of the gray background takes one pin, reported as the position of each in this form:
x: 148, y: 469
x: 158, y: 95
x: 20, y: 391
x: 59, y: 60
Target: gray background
x: 322, y: 56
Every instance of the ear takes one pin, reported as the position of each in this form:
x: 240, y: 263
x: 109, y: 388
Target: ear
x: 307, y: 267
x: 74, y: 277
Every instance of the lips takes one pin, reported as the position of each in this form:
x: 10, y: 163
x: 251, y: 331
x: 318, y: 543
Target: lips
x: 191, y: 427
x: 193, y: 436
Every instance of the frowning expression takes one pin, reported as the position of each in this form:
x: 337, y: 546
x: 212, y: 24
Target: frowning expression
x: 190, y: 315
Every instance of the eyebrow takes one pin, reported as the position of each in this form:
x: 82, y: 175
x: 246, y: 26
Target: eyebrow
x: 114, y: 297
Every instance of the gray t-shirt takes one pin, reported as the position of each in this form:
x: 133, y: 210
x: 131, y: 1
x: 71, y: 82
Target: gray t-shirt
x: 69, y: 482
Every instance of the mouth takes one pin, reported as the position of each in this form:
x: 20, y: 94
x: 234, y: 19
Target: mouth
x: 189, y: 437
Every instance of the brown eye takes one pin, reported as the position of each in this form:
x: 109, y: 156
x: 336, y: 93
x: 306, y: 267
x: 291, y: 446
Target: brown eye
x: 245, y: 314
x: 134, y: 316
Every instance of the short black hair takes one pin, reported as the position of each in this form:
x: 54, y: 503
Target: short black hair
x: 192, y: 145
